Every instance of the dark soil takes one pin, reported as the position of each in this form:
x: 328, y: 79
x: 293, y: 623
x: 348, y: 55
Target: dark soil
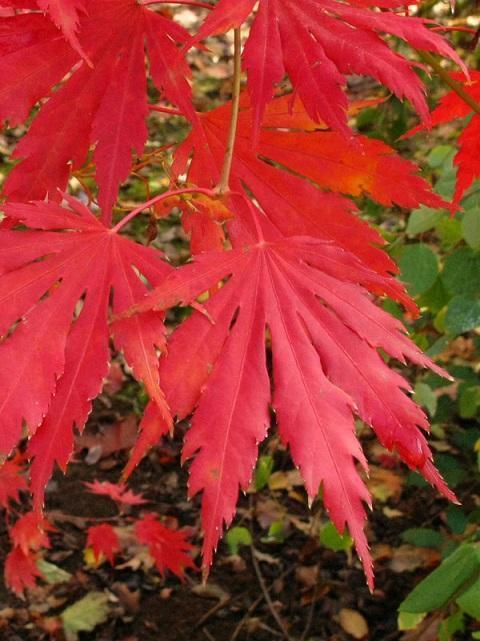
x: 149, y: 608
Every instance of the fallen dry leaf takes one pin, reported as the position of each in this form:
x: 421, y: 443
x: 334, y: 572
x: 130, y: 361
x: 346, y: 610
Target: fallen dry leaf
x: 353, y: 623
x: 407, y: 558
x: 385, y: 484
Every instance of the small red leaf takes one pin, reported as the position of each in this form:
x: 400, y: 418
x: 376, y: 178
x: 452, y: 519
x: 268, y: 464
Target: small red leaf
x: 117, y: 492
x: 168, y: 547
x: 104, y: 541
x: 21, y: 571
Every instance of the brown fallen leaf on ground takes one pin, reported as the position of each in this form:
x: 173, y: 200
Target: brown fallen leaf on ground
x: 109, y: 440
x: 407, y: 558
x: 353, y: 623
x: 385, y: 484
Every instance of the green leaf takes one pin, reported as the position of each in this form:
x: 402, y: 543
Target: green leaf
x: 450, y: 232
x: 263, y: 471
x: 84, y: 615
x: 276, y: 533
x: 422, y: 219
x: 450, y: 626
x: 409, y: 621
x: 331, y: 538
x: 236, y: 537
x: 419, y: 268
x: 52, y: 573
x: 441, y: 156
x: 425, y: 396
x: 469, y: 401
x: 457, y: 520
x: 471, y: 228
x: 435, y: 298
x: 461, y: 273
x: 450, y: 468
x: 445, y: 185
x: 469, y: 601
x: 463, y: 314
x: 439, y: 346
x: 423, y: 537
x: 442, y: 584
x: 393, y: 308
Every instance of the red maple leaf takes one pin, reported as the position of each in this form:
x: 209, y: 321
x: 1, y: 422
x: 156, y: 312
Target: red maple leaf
x: 30, y: 532
x: 169, y: 548
x: 291, y: 145
x: 291, y: 142
x: 12, y: 482
x: 310, y: 299
x: 58, y: 279
x: 21, y: 571
x: 318, y: 42
x: 104, y: 542
x: 467, y: 159
x: 104, y: 104
x: 116, y: 491
x: 65, y: 14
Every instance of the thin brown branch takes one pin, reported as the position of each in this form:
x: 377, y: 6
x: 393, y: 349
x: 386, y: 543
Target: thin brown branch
x: 266, y: 594
x: 223, y: 185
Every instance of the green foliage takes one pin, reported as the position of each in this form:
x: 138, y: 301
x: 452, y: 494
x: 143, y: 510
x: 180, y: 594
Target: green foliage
x: 84, y: 615
x: 439, y: 258
x: 331, y: 538
x: 237, y: 537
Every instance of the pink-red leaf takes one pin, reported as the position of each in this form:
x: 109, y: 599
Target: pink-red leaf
x: 169, y: 548
x: 59, y: 278
x: 21, y: 571
x: 103, y: 104
x: 103, y: 540
x: 317, y: 43
x: 30, y: 532
x: 467, y: 159
x: 311, y: 298
x: 118, y: 492
x: 12, y: 482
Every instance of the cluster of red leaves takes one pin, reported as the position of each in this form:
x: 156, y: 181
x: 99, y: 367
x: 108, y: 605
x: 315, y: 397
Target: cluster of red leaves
x: 169, y: 548
x: 28, y: 533
x: 451, y: 108
x: 299, y: 271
